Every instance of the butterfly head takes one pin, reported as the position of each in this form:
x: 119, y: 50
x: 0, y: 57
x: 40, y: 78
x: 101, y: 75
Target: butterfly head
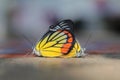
x: 63, y: 25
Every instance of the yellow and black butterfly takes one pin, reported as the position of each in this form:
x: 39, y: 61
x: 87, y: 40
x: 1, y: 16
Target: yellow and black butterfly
x: 59, y: 41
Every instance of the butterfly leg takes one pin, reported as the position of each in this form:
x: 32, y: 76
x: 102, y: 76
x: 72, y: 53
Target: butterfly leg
x: 81, y: 53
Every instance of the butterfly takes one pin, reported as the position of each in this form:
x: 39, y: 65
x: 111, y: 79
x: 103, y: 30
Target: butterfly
x: 59, y: 41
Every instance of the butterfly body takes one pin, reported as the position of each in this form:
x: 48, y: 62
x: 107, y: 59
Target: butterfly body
x: 59, y: 41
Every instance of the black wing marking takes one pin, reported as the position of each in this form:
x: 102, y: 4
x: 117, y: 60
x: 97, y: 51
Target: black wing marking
x: 59, y: 41
x: 66, y: 24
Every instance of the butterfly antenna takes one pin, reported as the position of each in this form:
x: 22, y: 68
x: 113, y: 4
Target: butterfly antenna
x: 30, y: 42
x: 90, y: 35
x: 26, y: 38
x: 82, y: 54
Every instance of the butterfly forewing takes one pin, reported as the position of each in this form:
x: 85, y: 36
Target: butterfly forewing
x: 59, y: 41
x: 54, y: 35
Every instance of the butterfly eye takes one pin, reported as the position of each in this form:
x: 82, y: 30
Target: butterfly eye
x: 51, y: 27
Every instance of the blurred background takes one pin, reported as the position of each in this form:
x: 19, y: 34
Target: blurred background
x: 24, y: 22
x: 19, y: 18
x: 31, y: 19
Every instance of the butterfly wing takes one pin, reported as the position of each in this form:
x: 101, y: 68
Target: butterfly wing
x: 66, y: 24
x: 56, y: 43
x: 75, y: 50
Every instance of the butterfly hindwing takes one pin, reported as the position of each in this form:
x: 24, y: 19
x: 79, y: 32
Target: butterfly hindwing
x: 56, y: 43
x: 59, y: 41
